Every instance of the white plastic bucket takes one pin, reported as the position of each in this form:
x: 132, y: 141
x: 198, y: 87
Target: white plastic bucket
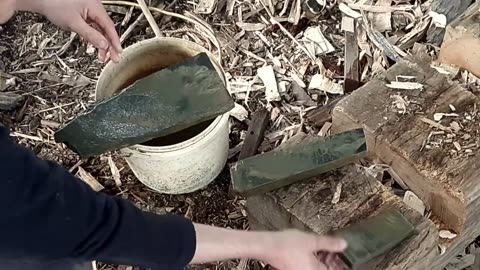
x: 181, y: 167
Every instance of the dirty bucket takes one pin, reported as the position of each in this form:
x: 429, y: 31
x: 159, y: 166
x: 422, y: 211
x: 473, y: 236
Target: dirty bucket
x: 185, y: 161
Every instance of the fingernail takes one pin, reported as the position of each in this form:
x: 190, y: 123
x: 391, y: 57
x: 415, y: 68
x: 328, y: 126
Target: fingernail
x: 343, y: 244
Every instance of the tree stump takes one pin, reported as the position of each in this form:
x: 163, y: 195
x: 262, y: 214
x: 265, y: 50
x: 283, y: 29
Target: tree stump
x: 438, y: 160
x: 308, y: 206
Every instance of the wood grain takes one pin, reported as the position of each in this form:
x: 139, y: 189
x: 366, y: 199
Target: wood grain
x: 448, y: 185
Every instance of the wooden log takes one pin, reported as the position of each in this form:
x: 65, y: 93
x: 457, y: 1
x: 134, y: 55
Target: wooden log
x: 308, y: 206
x: 255, y: 133
x: 443, y: 176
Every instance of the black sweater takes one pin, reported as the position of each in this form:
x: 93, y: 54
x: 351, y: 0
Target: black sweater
x: 46, y: 214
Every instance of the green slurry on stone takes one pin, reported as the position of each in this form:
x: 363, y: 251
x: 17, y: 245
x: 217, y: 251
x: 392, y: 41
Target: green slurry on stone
x: 292, y: 163
x: 160, y: 104
x: 374, y: 237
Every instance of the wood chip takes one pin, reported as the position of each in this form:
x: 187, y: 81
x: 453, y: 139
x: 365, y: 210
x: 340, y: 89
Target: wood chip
x: 267, y: 75
x: 320, y: 82
x: 295, y: 12
x: 382, y: 21
x: 405, y: 85
x: 348, y: 11
x: 414, y: 202
x: 205, y: 6
x: 239, y: 112
x: 89, y: 179
x: 439, y: 20
x: 435, y: 124
x: 337, y: 194
x: 115, y: 172
x: 325, y: 130
x: 442, y: 249
x: 455, y: 126
x: 382, y: 9
x: 315, y: 41
x: 250, y: 27
x: 446, y: 234
x: 457, y: 146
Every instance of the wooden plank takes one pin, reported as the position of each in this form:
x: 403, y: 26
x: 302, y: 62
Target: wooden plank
x: 255, y: 133
x: 352, y: 69
x: 321, y: 115
x: 308, y: 206
x: 445, y: 178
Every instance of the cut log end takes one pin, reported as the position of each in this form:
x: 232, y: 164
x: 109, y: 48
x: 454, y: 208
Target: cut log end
x: 428, y: 153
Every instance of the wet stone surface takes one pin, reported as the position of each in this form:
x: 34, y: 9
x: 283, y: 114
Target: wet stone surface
x: 296, y: 162
x: 163, y: 103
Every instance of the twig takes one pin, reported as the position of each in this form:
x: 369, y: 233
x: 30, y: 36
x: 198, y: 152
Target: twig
x: 150, y: 19
x: 130, y: 28
x: 285, y: 31
x: 173, y: 14
x: 29, y: 137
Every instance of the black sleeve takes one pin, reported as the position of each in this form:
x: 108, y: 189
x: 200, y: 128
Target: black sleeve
x: 48, y: 214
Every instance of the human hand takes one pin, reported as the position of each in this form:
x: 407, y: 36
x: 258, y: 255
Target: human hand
x: 294, y: 250
x: 88, y: 18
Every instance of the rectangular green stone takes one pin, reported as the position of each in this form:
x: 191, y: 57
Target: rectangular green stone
x: 287, y: 165
x: 158, y: 105
x: 374, y: 237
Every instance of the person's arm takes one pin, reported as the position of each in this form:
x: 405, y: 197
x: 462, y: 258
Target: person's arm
x: 285, y: 250
x: 48, y: 214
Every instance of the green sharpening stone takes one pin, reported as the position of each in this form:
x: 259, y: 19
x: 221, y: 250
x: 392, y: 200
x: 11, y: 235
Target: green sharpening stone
x: 287, y: 165
x: 373, y: 237
x: 158, y: 105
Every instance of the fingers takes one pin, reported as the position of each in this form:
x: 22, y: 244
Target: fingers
x: 317, y: 263
x: 100, y: 17
x: 90, y: 34
x: 330, y: 244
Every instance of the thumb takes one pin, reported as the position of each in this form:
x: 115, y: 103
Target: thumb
x: 330, y: 244
x: 89, y: 33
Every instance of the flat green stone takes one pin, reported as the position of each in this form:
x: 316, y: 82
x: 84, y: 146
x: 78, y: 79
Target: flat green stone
x: 374, y: 237
x: 160, y: 104
x: 287, y: 165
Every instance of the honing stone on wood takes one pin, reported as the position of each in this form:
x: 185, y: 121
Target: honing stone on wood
x: 443, y: 177
x: 160, y: 104
x: 373, y: 237
x: 287, y: 165
x: 309, y: 206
